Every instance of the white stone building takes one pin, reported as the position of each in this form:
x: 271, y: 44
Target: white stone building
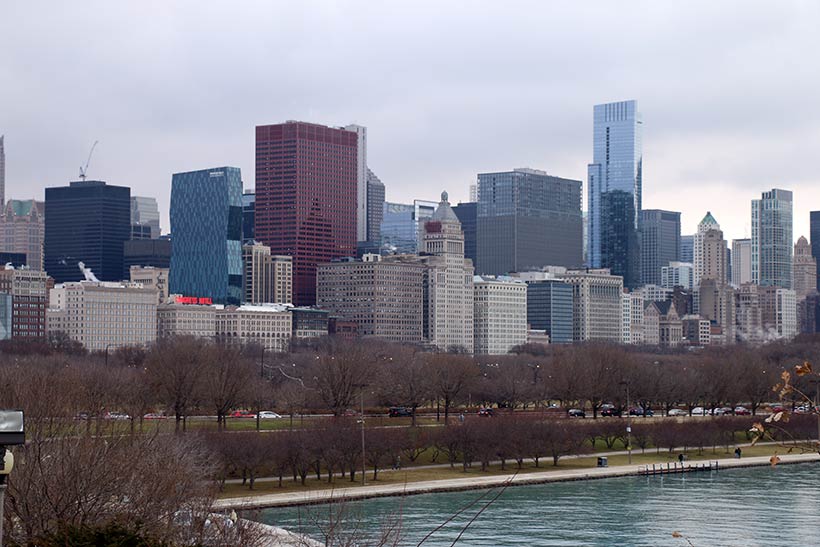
x: 449, y: 283
x: 267, y: 278
x: 151, y: 278
x: 499, y: 313
x: 104, y: 315
x: 177, y: 319
x: 268, y: 325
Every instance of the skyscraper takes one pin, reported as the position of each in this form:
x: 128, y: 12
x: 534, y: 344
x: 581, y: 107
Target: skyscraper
x: 687, y: 248
x: 804, y: 270
x: 375, y: 209
x: 401, y: 224
x: 145, y: 212
x: 660, y: 243
x: 87, y: 221
x: 700, y: 261
x: 467, y: 214
x: 741, y: 261
x: 814, y: 238
x: 248, y: 217
x: 2, y: 171
x: 361, y: 180
x: 21, y: 230
x: 306, y: 184
x: 772, y: 243
x: 206, y: 223
x: 528, y: 219
x: 615, y: 190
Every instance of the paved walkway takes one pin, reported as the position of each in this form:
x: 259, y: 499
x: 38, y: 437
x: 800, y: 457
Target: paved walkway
x: 472, y: 483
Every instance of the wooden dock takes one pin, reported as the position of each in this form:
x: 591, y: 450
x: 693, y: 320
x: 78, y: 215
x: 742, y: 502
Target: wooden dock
x: 672, y: 468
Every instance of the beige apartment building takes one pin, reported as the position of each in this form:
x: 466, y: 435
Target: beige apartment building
x: 500, y: 314
x: 266, y: 278
x: 175, y: 319
x: 151, y: 278
x: 104, y: 315
x: 596, y: 305
x: 384, y: 296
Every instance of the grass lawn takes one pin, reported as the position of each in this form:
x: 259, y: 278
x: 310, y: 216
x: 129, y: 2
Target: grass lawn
x: 442, y: 473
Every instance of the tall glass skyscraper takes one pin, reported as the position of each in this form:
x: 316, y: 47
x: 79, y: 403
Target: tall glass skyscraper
x: 772, y: 242
x: 615, y: 189
x: 660, y: 243
x: 206, y: 227
x: 401, y: 223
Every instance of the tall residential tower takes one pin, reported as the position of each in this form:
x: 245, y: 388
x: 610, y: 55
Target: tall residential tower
x: 772, y: 243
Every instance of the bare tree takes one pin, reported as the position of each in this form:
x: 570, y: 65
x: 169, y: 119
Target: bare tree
x: 451, y: 375
x: 175, y: 367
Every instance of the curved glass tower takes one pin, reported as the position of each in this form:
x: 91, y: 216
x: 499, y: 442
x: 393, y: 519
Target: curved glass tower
x: 615, y: 188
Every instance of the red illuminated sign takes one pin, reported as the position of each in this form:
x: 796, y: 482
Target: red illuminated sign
x: 203, y: 300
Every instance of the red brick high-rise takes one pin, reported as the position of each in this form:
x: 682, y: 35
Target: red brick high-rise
x: 306, y: 176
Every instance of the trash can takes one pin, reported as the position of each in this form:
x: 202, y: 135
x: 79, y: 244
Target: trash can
x: 602, y: 461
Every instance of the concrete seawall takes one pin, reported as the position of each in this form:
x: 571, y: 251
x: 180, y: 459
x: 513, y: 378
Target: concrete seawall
x: 473, y: 483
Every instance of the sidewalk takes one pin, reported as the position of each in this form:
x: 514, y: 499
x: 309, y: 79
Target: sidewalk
x: 471, y: 483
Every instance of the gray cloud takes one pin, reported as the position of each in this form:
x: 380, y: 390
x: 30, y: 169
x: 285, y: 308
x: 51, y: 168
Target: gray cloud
x: 728, y: 91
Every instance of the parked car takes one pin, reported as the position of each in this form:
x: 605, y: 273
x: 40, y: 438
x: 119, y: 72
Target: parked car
x: 722, y: 411
x: 677, y: 412
x: 242, y: 414
x: 483, y: 411
x: 699, y: 411
x: 268, y: 415
x: 777, y: 407
x: 155, y: 416
x: 399, y: 411
x: 576, y: 413
x: 609, y: 410
x: 116, y: 416
x: 639, y: 411
x: 742, y: 411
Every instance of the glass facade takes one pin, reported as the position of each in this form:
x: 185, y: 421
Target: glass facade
x: 549, y: 308
x: 467, y: 215
x: 206, y: 223
x: 660, y: 243
x: 772, y: 242
x: 86, y: 221
x: 248, y: 206
x: 615, y: 190
x: 375, y: 208
x: 400, y: 225
x: 814, y: 239
x: 687, y: 248
x: 527, y: 219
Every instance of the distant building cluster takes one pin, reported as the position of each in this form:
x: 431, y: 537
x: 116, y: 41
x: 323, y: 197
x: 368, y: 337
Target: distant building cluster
x: 316, y: 249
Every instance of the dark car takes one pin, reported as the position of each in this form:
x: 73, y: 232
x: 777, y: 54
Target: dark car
x: 576, y: 413
x: 485, y: 411
x: 638, y: 411
x: 609, y: 410
x: 399, y: 412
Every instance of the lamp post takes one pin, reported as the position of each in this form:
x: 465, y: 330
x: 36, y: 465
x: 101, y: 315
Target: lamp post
x: 628, y: 424
x: 12, y: 433
x: 361, y: 422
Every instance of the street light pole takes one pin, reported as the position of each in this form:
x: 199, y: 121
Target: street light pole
x: 364, y: 468
x: 628, y: 425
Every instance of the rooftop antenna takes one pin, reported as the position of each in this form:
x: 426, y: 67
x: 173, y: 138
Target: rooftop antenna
x: 84, y: 170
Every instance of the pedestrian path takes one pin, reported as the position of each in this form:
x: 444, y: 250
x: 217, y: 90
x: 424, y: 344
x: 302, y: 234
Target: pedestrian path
x: 471, y: 483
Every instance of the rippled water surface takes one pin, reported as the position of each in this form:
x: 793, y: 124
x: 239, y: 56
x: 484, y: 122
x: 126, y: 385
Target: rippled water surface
x: 741, y: 507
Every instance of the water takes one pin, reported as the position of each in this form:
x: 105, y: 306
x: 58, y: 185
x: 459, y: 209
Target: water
x: 740, y: 507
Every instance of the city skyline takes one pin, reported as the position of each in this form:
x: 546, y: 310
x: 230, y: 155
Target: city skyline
x: 697, y: 136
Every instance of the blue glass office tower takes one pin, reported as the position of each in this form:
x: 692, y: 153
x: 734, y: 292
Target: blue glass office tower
x: 615, y: 188
x: 549, y: 308
x: 206, y: 227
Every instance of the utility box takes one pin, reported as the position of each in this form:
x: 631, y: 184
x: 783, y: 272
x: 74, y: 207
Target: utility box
x: 603, y: 461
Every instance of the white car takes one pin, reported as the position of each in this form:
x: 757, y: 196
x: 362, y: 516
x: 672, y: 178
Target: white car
x: 268, y: 415
x: 699, y: 411
x: 676, y: 412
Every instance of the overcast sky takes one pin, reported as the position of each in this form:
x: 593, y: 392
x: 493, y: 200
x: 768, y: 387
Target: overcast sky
x: 729, y: 91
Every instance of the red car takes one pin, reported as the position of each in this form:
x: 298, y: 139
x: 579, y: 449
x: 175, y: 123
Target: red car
x: 742, y: 411
x: 242, y: 414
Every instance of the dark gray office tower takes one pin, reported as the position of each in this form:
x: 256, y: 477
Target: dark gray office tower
x: 248, y: 216
x: 87, y: 221
x: 814, y: 235
x: 660, y: 243
x: 687, y: 249
x: 146, y: 252
x: 467, y: 215
x: 375, y: 208
x: 527, y: 219
x: 549, y: 308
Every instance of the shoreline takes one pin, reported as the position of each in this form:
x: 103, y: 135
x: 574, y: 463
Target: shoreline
x: 290, y: 499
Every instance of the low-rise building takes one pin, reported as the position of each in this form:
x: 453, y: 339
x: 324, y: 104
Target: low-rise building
x: 697, y: 331
x: 266, y: 277
x: 309, y: 322
x: 28, y: 290
x: 500, y: 314
x: 662, y: 325
x: 177, y: 318
x: 268, y: 325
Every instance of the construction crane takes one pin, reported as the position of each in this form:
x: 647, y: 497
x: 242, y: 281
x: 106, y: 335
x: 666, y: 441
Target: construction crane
x: 84, y: 170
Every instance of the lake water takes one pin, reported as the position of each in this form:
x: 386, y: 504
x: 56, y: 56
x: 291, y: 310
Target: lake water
x: 739, y: 507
